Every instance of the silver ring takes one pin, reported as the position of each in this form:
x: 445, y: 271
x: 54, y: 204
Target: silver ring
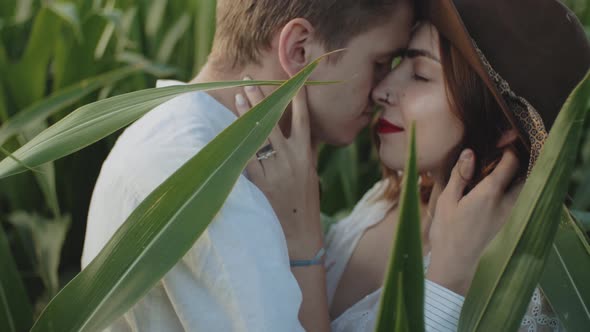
x: 266, y: 152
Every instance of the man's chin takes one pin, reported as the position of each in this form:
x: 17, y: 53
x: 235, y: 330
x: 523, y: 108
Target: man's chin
x: 343, y: 139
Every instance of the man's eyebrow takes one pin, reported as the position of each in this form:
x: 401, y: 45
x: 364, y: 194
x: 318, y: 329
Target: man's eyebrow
x: 399, y: 52
x: 414, y: 53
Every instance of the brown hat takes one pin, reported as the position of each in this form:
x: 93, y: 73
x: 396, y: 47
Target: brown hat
x: 530, y: 53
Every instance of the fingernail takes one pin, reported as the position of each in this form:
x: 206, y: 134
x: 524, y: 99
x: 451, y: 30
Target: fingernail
x: 466, y: 168
x: 249, y: 87
x: 240, y: 100
x: 466, y: 155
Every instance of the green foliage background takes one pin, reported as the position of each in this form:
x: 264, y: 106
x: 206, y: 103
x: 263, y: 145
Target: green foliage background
x: 48, y: 46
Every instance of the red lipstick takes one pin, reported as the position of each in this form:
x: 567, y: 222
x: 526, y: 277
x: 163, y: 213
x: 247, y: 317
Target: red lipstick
x: 386, y: 127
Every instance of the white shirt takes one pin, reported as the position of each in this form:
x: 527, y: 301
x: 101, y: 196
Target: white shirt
x: 237, y: 276
x: 442, y: 307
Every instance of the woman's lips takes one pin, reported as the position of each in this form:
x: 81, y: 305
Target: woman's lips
x: 386, y: 127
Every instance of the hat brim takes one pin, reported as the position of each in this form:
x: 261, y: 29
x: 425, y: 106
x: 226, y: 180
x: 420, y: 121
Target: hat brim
x: 446, y: 18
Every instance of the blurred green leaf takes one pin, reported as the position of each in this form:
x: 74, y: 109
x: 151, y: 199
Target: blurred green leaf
x: 583, y: 217
x: 41, y: 110
x: 74, y: 59
x: 3, y: 57
x: 68, y: 12
x: 16, y: 313
x: 46, y: 175
x: 511, y: 266
x: 172, y: 37
x: 107, y: 34
x: 124, y: 31
x: 24, y: 11
x: 156, y: 69
x: 349, y: 172
x: 565, y: 277
x: 155, y: 17
x: 48, y: 237
x: 3, y: 111
x: 402, y: 300
x: 166, y: 224
x: 581, y: 198
x: 204, y: 32
x: 28, y: 77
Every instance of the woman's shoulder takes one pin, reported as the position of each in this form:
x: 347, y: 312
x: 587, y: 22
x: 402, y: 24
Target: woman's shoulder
x: 375, y: 195
x: 369, y: 209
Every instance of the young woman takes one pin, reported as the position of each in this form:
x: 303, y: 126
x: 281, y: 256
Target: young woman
x: 476, y: 78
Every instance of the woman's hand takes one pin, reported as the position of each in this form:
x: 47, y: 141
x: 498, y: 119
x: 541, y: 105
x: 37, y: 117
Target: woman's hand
x: 463, y: 226
x: 289, y: 178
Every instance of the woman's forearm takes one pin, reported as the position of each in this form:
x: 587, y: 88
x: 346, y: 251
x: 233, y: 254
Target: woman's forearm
x: 313, y: 313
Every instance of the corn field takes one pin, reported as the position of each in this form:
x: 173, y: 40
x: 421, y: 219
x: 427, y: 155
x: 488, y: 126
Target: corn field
x: 57, y: 56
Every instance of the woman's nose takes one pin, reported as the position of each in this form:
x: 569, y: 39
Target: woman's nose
x: 383, y: 94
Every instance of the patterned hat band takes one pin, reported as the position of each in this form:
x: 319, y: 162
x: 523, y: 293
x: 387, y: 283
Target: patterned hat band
x: 528, y: 118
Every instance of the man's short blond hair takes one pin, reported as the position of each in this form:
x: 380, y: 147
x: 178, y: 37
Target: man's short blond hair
x: 246, y: 27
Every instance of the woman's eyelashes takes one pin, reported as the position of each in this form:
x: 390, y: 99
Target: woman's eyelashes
x: 417, y: 77
x: 420, y: 72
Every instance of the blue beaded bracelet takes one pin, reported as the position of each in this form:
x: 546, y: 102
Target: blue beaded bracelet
x: 317, y: 260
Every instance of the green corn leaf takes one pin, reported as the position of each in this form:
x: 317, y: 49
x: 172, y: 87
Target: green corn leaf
x: 16, y: 314
x: 68, y: 12
x: 167, y: 223
x: 581, y: 198
x: 172, y: 37
x: 46, y: 175
x: 95, y: 121
x: 402, y: 300
x: 3, y: 56
x: 150, y: 67
x: 204, y: 31
x: 3, y: 109
x: 511, y: 266
x: 565, y: 278
x: 155, y: 18
x: 28, y: 78
x: 349, y: 172
x: 41, y: 110
x: 584, y: 219
x: 401, y: 323
x: 47, y: 238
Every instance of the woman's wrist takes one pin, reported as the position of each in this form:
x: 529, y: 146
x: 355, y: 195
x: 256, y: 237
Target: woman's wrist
x: 304, y: 247
x: 318, y: 259
x: 451, y: 275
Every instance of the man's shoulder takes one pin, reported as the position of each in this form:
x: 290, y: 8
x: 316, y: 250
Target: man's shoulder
x: 185, y: 118
x: 156, y: 145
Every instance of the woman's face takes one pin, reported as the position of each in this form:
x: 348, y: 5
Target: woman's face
x: 415, y: 92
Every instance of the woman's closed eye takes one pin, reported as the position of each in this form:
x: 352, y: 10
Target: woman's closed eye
x: 419, y: 77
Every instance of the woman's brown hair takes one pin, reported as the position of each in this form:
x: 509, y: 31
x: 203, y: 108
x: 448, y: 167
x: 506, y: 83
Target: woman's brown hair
x: 483, y: 122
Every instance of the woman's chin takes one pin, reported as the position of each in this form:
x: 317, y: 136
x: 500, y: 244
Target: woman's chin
x: 390, y: 161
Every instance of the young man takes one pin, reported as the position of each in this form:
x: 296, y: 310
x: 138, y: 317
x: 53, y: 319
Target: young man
x: 237, y: 275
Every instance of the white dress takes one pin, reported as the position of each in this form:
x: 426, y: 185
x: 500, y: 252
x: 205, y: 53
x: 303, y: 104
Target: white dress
x: 442, y: 306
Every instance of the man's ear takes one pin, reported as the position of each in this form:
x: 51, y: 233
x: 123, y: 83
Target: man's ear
x: 295, y: 45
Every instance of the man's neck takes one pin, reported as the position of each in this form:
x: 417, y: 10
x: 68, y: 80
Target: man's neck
x: 227, y: 96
